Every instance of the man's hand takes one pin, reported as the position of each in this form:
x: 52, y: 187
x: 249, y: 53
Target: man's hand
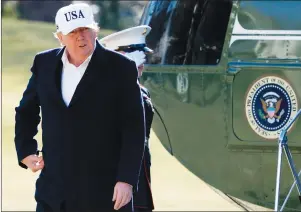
x: 122, y: 194
x: 34, y: 162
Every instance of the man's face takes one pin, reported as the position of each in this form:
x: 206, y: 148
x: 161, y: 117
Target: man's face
x: 79, y: 42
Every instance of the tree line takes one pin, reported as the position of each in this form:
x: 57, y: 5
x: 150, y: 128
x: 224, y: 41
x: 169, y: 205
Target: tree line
x: 115, y: 15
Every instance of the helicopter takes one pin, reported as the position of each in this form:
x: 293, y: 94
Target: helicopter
x: 225, y: 79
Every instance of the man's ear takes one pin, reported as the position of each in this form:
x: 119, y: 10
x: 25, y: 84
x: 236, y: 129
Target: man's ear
x: 95, y: 33
x: 60, y: 37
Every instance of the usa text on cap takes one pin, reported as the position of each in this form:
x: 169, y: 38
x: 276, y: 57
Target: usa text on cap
x: 73, y: 16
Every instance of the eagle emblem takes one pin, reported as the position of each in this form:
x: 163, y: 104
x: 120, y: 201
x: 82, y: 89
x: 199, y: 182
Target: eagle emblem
x: 271, y: 106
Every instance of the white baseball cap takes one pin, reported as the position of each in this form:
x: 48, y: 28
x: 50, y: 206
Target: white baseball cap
x: 74, y: 16
x: 131, y: 38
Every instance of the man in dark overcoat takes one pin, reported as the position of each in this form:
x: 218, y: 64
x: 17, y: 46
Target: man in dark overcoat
x: 92, y: 119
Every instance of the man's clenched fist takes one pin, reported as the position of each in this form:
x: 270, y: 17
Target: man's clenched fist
x: 34, y: 162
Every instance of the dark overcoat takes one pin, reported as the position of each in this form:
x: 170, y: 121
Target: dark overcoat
x: 143, y: 198
x: 91, y: 144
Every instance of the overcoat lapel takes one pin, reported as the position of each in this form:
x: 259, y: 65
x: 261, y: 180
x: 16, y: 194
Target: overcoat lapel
x: 95, y: 65
x: 56, y: 76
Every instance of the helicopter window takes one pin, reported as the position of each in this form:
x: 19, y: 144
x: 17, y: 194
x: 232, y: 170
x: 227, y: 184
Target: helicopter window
x: 186, y: 32
x: 270, y: 15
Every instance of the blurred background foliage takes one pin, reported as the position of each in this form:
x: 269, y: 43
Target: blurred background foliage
x: 114, y: 14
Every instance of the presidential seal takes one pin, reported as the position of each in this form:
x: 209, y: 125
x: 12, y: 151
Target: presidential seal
x: 270, y: 105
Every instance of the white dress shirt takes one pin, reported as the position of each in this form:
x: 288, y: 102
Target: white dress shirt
x: 71, y: 76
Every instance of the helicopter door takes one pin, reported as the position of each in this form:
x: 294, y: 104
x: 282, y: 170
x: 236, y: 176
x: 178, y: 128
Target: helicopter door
x: 264, y: 101
x: 266, y: 85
